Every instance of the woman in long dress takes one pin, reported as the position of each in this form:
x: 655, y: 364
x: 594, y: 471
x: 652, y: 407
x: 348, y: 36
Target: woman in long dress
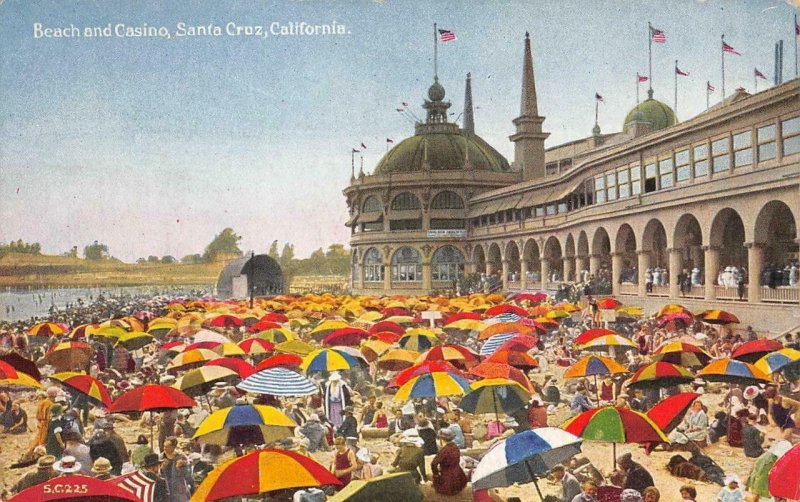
x: 694, y: 426
x: 337, y: 397
x: 448, y: 477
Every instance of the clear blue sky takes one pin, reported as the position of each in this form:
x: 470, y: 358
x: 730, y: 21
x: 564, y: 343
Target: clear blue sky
x: 154, y: 145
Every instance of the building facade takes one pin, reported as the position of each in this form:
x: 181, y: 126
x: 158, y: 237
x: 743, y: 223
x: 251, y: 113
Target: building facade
x: 714, y: 200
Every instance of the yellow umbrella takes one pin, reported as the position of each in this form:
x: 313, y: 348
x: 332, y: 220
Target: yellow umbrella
x: 229, y: 349
x: 298, y: 347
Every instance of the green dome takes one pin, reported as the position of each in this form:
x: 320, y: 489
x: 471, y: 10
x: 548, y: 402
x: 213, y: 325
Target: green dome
x: 436, y: 91
x: 446, y: 151
x: 654, y: 112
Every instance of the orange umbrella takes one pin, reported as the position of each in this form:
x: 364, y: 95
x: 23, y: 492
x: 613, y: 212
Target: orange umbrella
x: 506, y: 327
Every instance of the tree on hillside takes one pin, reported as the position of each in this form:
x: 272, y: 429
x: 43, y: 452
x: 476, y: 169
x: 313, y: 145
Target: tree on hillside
x: 95, y: 251
x: 152, y: 259
x: 192, y: 258
x: 287, y: 255
x: 226, y: 242
x: 273, y: 251
x: 168, y: 259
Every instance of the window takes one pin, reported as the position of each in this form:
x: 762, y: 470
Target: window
x: 636, y: 179
x: 551, y: 209
x: 447, y: 200
x: 700, y: 160
x: 447, y: 264
x: 743, y: 149
x: 407, y: 265
x: 405, y: 201
x: 720, y: 160
x: 611, y: 183
x: 371, y: 205
x: 446, y: 224
x: 409, y: 224
x: 650, y: 178
x: 623, y: 185
x: 665, y: 173
x: 540, y: 211
x: 767, y: 147
x: 790, y: 130
x: 562, y: 207
x: 373, y: 265
x: 373, y: 226
x: 682, y: 169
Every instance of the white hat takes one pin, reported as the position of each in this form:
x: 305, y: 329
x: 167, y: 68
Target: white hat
x: 335, y: 377
x: 67, y: 465
x: 732, y: 478
x: 364, y: 455
x: 750, y: 392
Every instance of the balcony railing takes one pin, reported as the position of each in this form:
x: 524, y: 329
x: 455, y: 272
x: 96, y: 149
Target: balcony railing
x: 782, y: 294
x: 514, y: 285
x: 729, y: 292
x: 627, y: 288
x: 659, y: 291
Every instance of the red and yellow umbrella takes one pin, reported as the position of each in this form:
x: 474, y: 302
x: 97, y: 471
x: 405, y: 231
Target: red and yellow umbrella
x: 397, y: 359
x: 659, y: 374
x: 10, y: 376
x: 685, y: 354
x: 514, y: 358
x: 87, y: 385
x: 256, y: 346
x: 590, y: 334
x: 506, y: 327
x: 191, y: 359
x: 498, y: 370
x: 717, y: 317
x: 263, y: 471
x: 456, y: 355
x: 46, y: 329
x: 422, y: 369
x: 69, y: 355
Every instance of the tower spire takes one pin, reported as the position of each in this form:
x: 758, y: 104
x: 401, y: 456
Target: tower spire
x: 529, y: 138
x: 528, y: 107
x: 469, y: 120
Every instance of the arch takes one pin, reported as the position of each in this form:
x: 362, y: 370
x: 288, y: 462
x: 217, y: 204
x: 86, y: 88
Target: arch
x: 532, y: 255
x: 688, y: 239
x: 372, y: 204
x: 354, y: 267
x: 583, y: 244
x: 569, y: 246
x: 601, y: 248
x: 776, y: 230
x: 479, y: 259
x: 554, y: 256
x: 625, y: 245
x: 372, y: 265
x: 728, y: 235
x: 512, y: 257
x: 494, y: 255
x: 654, y: 240
x: 406, y: 265
x: 447, y: 264
x: 406, y: 201
x: 447, y: 199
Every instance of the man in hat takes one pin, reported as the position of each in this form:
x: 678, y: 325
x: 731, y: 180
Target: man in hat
x: 222, y: 396
x: 43, y: 416
x: 74, y: 447
x: 410, y: 457
x: 101, y: 469
x: 67, y: 465
x: 119, y: 443
x: 150, y: 470
x: 636, y: 476
x: 53, y: 441
x: 399, y: 423
x: 100, y: 445
x: 349, y: 426
x: 44, y: 472
x: 314, y: 432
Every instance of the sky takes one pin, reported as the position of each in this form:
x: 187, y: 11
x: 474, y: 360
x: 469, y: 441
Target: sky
x: 153, y: 145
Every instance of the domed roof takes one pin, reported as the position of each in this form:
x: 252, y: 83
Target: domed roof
x: 652, y: 111
x: 445, y: 151
x: 436, y: 91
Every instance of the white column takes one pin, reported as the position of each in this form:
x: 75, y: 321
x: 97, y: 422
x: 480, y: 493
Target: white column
x: 675, y: 264
x: 523, y: 274
x: 710, y: 271
x: 504, y: 268
x: 755, y: 262
x: 545, y: 268
x: 643, y: 264
x: 616, y: 272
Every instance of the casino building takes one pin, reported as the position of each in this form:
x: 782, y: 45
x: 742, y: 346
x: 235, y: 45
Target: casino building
x: 716, y: 192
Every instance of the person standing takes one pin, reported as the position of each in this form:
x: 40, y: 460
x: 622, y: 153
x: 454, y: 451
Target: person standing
x: 150, y: 470
x: 43, y: 416
x: 349, y: 426
x: 175, y: 469
x: 116, y: 439
x: 101, y: 446
x: 344, y: 462
x: 337, y: 397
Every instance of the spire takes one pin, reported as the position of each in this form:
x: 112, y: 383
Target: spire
x: 528, y: 106
x: 469, y: 120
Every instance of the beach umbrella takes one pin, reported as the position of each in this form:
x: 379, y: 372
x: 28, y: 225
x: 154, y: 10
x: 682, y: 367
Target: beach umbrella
x: 324, y: 328
x: 373, y: 349
x: 277, y: 335
x: 262, y: 326
x: 611, y: 424
x: 465, y: 325
x: 345, y: 336
x: 191, y: 359
x: 389, y: 326
x: 256, y: 346
x: 717, y: 317
x: 75, y: 487
x: 521, y: 360
x: 328, y: 360
x: 462, y: 315
x: 205, y: 335
x: 423, y: 369
x: 541, y: 324
x: 385, y: 336
x: 784, y: 477
x: 494, y: 395
x: 245, y: 424
x: 630, y: 312
x: 672, y: 308
x: 229, y: 349
x: 262, y: 471
x: 225, y: 321
x: 525, y: 457
x: 86, y: 385
x: 175, y: 347
x: 397, y: 359
x: 298, y: 347
x: 499, y: 370
x: 66, y: 356
x: 417, y: 342
x: 608, y: 303
x: 520, y: 343
x: 457, y: 355
x: 11, y: 377
x: 733, y: 371
x: 506, y: 309
x: 604, y: 342
x: 240, y: 366
x: 83, y: 331
x: 134, y: 340
x: 594, y: 366
x: 432, y: 385
x: 532, y: 297
x: 494, y: 342
x: 506, y: 327
x: 659, y: 374
x: 21, y: 364
x: 160, y: 328
x: 280, y: 360
x: 200, y: 381
x: 151, y: 397
x: 278, y: 381
x: 685, y: 318
x: 684, y: 354
x: 275, y: 317
x: 754, y: 350
x: 776, y: 361
x: 46, y: 329
x: 202, y: 345
x: 668, y: 413
x: 590, y: 334
x: 557, y: 314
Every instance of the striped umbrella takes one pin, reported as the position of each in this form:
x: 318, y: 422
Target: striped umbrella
x: 604, y: 342
x: 492, y: 343
x: 525, y: 457
x: 256, y: 346
x: 423, y: 369
x: 718, y: 317
x: 263, y: 471
x: 507, y: 317
x: 488, y: 369
x: 46, y: 329
x: 659, y: 374
x: 278, y: 382
x: 733, y: 371
x: 237, y: 364
x: 200, y: 381
x: 329, y: 360
x: 494, y: 395
x: 245, y: 424
x: 459, y: 356
x: 684, y: 354
x: 87, y: 385
x: 594, y: 366
x: 432, y: 385
x: 191, y: 359
x: 775, y: 361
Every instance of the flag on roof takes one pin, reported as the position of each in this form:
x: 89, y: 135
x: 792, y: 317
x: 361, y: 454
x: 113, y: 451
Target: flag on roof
x: 389, y: 140
x: 641, y: 78
x: 728, y: 48
x: 363, y: 146
x: 599, y: 98
x: 710, y: 87
x: 356, y: 151
x: 401, y: 109
x: 759, y: 74
x: 404, y: 103
x: 657, y: 35
x: 796, y: 28
x: 681, y: 72
x: 447, y: 35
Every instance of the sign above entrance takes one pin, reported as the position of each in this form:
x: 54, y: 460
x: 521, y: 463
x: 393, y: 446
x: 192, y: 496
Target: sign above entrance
x: 447, y: 233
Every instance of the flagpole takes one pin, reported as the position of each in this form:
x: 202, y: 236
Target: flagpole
x: 650, y: 52
x: 352, y: 163
x: 676, y: 89
x: 722, y: 48
x: 794, y: 30
x: 435, y: 54
x: 596, y: 104
x: 755, y: 81
x: 708, y: 93
x: 637, y: 87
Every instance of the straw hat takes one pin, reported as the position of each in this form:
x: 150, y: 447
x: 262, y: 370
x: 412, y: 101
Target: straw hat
x: 67, y: 465
x: 101, y: 466
x: 45, y: 461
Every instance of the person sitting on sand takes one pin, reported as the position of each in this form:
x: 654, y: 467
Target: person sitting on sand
x: 589, y: 493
x: 448, y: 477
x: 16, y: 420
x: 570, y: 487
x: 411, y: 457
x: 694, y: 426
x: 379, y: 418
x: 752, y: 438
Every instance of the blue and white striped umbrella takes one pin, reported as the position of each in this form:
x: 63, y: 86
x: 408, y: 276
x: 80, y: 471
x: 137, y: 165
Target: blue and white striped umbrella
x: 525, y: 457
x: 507, y: 317
x: 278, y: 382
x: 494, y: 342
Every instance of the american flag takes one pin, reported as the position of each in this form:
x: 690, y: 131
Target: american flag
x: 759, y: 74
x: 599, y: 98
x: 796, y: 29
x: 356, y: 151
x: 681, y: 72
x: 710, y: 87
x: 138, y: 484
x: 641, y: 78
x: 728, y: 48
x: 401, y: 110
x: 363, y: 146
x: 389, y: 140
x: 404, y: 104
x: 447, y: 36
x: 657, y: 35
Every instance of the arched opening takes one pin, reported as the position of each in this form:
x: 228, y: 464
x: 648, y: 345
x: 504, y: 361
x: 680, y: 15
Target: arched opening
x: 513, y: 261
x: 405, y: 201
x: 479, y: 259
x: 554, y: 257
x: 372, y: 265
x: 727, y: 235
x: 406, y: 265
x: 688, y: 240
x: 494, y: 260
x: 583, y: 244
x: 776, y: 231
x: 371, y: 204
x: 569, y: 258
x: 601, y: 251
x: 625, y: 245
x: 406, y: 214
x: 447, y: 264
x: 532, y: 255
x: 654, y: 242
x: 447, y: 200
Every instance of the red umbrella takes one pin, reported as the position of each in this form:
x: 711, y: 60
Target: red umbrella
x: 87, y: 385
x: 784, y: 478
x: 263, y: 325
x: 390, y: 326
x: 531, y: 297
x: 151, y: 397
x: 275, y: 317
x: 75, y: 486
x: 386, y: 336
x: 422, y: 369
x: 282, y: 360
x: 226, y: 321
x: 506, y: 309
x: 590, y: 334
x: 684, y: 317
x: 202, y: 345
x: 754, y: 350
x: 519, y: 360
x: 519, y: 343
x: 668, y: 413
x: 345, y: 336
x: 457, y: 355
x: 395, y: 311
x: 22, y: 364
x: 608, y: 303
x: 499, y: 370
x: 240, y: 366
x: 462, y: 315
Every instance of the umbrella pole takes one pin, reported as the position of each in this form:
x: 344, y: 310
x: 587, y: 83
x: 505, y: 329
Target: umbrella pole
x: 496, y: 413
x: 597, y: 390
x: 614, y: 453
x: 533, y: 478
